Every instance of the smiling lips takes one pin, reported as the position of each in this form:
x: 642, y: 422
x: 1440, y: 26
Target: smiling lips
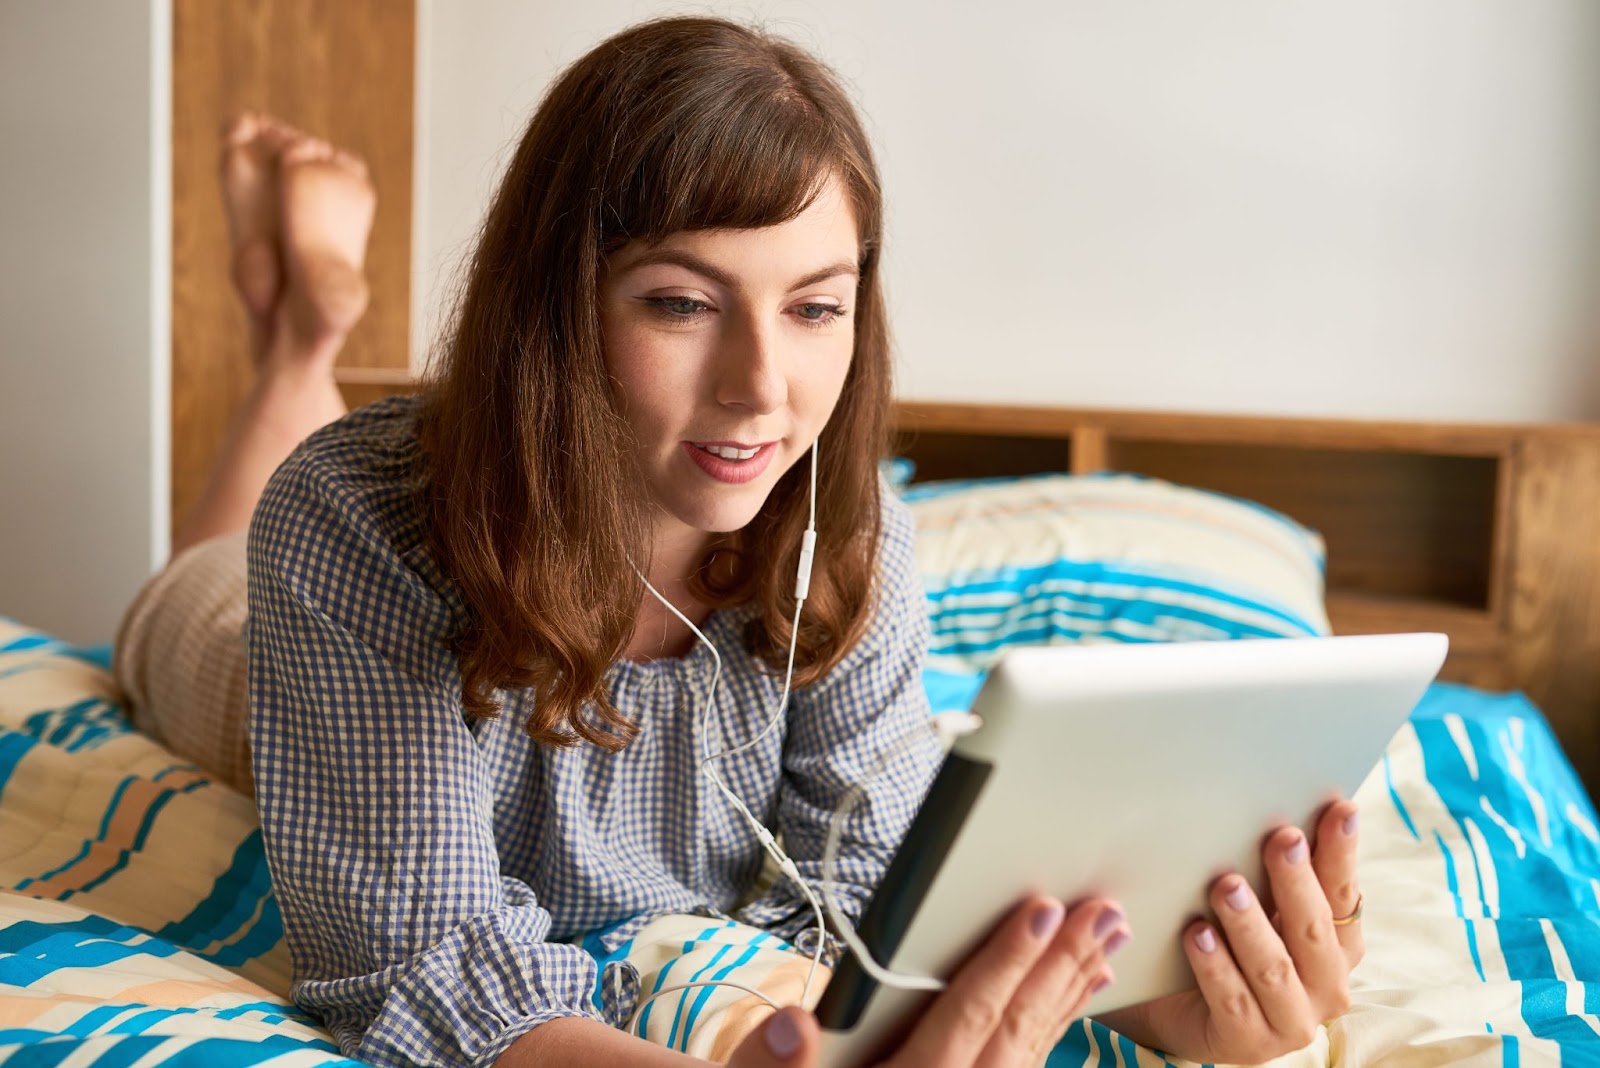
x: 730, y: 461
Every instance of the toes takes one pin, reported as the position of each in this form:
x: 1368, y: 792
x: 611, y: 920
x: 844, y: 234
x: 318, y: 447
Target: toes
x: 307, y: 150
x: 351, y: 162
x: 241, y: 129
x: 277, y: 134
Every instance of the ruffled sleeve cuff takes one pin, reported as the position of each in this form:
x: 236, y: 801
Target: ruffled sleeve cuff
x: 463, y: 1002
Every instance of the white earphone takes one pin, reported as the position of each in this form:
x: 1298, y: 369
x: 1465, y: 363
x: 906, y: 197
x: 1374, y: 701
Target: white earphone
x: 802, y: 586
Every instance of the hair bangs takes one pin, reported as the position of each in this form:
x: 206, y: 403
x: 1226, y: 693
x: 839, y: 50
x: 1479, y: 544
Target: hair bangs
x: 747, y: 152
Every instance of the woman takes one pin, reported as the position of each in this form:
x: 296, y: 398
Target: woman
x: 479, y: 699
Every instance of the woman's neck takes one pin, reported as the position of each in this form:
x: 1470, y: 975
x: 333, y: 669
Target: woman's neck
x: 657, y: 632
x: 660, y: 635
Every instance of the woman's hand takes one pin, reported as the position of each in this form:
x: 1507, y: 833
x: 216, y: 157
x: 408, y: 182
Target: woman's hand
x: 1009, y: 1003
x: 1265, y: 983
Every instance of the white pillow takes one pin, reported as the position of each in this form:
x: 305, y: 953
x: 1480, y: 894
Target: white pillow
x: 1055, y: 559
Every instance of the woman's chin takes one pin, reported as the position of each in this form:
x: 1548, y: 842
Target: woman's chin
x: 720, y: 517
x: 726, y: 523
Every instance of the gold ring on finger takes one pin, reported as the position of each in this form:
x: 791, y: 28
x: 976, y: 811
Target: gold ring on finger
x: 1355, y: 914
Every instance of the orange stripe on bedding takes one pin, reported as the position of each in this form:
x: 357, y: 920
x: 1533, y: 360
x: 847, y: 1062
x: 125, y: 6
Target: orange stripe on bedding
x: 133, y: 806
x: 23, y: 1010
x: 182, y: 993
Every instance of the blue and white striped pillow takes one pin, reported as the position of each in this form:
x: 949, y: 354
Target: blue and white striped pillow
x: 1056, y: 559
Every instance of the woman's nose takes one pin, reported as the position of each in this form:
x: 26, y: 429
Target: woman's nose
x: 750, y: 371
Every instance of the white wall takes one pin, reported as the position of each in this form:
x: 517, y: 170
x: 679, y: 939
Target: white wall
x: 1384, y: 208
x: 84, y: 299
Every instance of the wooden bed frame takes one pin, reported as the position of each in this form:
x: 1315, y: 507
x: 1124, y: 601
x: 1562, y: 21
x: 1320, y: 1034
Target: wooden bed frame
x: 1490, y: 534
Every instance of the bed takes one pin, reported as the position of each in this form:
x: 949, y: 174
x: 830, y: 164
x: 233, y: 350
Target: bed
x: 137, y: 923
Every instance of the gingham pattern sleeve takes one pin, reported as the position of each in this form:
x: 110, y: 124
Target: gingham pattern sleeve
x: 866, y: 722
x: 376, y: 801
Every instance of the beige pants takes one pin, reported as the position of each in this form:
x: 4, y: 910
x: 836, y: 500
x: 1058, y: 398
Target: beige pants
x: 179, y: 657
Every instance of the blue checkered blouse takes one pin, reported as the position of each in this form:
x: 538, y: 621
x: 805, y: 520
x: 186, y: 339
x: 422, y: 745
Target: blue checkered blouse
x: 432, y: 871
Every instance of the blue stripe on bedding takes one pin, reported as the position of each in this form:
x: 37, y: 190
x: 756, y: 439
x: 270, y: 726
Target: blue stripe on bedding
x: 12, y: 748
x: 956, y: 625
x: 89, y: 942
x: 241, y: 893
x: 37, y: 642
x: 661, y: 979
x: 43, y: 1049
x: 81, y: 725
x: 1499, y: 770
x: 684, y: 995
x: 1394, y: 796
x: 1045, y: 609
x: 262, y: 937
x: 704, y: 993
x: 32, y: 642
x: 1069, y: 601
x: 1081, y: 577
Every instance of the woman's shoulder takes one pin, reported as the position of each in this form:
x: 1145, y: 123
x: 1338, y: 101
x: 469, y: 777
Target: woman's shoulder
x: 368, y: 449
x: 897, y: 539
x: 353, y: 485
x: 337, y: 550
x: 361, y: 462
x: 899, y: 525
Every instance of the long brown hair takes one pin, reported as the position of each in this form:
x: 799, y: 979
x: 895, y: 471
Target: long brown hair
x: 676, y: 124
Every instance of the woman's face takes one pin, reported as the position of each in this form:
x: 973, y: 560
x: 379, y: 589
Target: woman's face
x: 729, y: 349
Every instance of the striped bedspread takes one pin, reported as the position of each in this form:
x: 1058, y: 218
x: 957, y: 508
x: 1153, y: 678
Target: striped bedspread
x: 137, y: 923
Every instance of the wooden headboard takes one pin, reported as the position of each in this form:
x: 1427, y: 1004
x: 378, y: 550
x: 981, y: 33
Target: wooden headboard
x: 1490, y: 534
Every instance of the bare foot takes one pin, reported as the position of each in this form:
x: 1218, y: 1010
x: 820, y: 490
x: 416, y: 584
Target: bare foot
x: 299, y: 211
x: 327, y: 204
x: 249, y: 166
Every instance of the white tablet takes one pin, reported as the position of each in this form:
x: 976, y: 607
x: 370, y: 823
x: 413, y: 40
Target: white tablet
x: 1140, y: 772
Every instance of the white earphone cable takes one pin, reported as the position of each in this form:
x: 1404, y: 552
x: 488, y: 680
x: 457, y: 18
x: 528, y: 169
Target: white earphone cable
x: 768, y: 842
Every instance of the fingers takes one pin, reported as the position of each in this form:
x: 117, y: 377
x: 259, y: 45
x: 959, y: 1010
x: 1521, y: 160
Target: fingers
x: 1059, y: 986
x: 1258, y: 986
x: 1338, y: 833
x: 789, y: 1037
x: 959, y: 1025
x: 1306, y: 923
x: 1267, y: 984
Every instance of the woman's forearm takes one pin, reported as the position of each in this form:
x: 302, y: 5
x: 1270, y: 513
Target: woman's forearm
x: 582, y: 1043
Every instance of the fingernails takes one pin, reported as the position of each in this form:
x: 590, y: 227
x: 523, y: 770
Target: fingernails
x: 1046, y: 920
x: 1206, y: 940
x: 1105, y: 921
x: 1116, y: 942
x: 1100, y: 984
x: 1296, y: 854
x: 782, y: 1036
x: 1239, y: 897
x: 1352, y: 822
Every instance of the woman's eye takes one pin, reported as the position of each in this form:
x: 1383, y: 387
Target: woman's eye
x: 819, y: 314
x: 678, y: 307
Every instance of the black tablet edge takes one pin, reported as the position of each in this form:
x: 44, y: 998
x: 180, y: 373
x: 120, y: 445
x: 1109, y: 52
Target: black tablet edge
x: 905, y: 883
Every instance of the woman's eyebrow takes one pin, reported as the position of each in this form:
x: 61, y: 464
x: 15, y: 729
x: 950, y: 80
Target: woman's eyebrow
x: 690, y: 262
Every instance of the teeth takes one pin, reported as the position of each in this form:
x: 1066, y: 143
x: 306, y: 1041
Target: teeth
x: 728, y: 452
